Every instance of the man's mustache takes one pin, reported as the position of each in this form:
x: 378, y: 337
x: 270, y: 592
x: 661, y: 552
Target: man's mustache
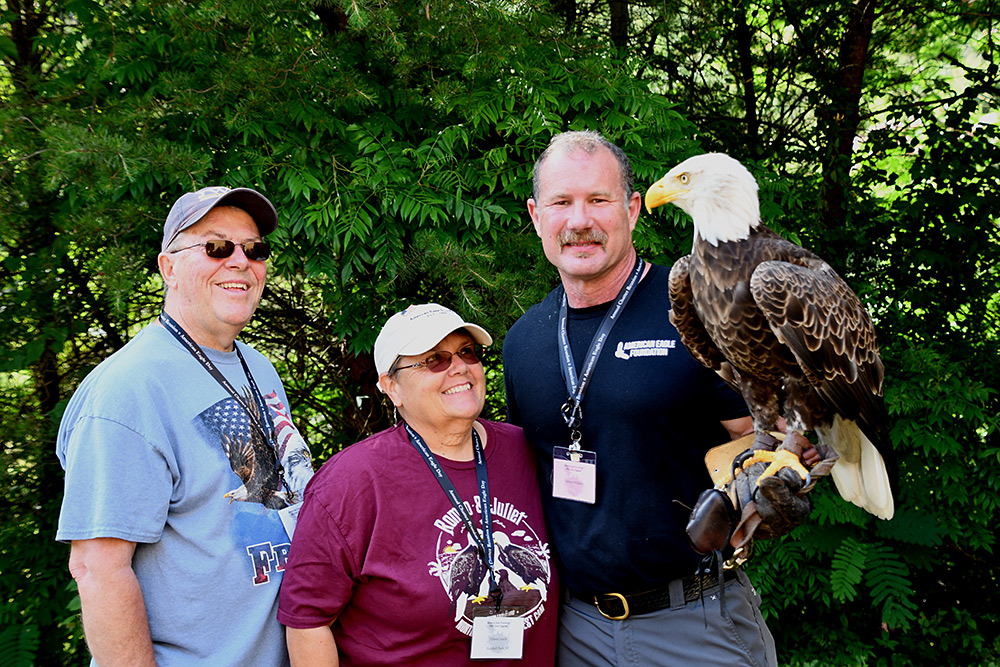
x: 589, y: 236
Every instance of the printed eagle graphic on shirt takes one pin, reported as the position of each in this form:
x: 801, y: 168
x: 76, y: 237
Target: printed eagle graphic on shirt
x: 468, y: 573
x: 251, y: 457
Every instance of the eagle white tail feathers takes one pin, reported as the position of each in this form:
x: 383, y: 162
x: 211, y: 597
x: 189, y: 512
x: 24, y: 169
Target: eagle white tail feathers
x: 860, y: 473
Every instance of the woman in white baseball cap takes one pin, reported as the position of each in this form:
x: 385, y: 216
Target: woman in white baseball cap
x: 424, y: 544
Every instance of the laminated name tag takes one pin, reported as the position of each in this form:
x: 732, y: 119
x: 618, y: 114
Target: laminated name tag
x: 574, y: 474
x: 498, y: 635
x: 289, y: 517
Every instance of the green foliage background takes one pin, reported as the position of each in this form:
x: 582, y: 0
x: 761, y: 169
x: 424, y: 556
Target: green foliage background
x: 396, y: 141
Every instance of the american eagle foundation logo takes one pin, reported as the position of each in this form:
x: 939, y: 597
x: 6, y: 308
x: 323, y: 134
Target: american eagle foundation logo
x: 644, y: 348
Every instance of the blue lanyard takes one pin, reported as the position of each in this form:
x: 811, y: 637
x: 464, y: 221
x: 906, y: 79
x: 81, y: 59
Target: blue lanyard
x: 572, y: 410
x: 266, y: 431
x: 485, y: 541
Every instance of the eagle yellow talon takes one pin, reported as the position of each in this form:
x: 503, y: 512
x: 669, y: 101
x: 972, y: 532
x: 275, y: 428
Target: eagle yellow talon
x: 778, y: 459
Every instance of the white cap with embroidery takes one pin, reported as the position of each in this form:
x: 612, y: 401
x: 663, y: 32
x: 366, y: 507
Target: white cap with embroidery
x: 417, y: 329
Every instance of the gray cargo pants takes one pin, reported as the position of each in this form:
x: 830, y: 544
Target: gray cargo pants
x: 673, y: 637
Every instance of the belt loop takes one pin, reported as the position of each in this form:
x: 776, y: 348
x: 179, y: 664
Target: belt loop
x: 676, y: 587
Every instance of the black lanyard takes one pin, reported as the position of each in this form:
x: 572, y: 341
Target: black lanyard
x: 572, y: 410
x: 484, y: 542
x: 267, y: 432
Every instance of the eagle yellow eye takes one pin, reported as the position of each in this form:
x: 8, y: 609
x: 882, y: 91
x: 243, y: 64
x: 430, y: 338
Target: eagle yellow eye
x: 684, y: 178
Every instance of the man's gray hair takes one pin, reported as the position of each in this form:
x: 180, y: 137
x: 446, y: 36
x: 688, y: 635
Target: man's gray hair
x: 589, y: 142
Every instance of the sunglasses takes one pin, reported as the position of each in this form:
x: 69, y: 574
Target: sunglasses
x: 220, y: 249
x: 441, y: 361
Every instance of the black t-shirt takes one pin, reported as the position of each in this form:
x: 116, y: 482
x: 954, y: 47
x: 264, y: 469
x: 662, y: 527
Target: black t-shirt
x: 651, y: 412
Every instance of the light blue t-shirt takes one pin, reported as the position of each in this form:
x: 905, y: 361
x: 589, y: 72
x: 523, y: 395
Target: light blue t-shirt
x: 152, y: 444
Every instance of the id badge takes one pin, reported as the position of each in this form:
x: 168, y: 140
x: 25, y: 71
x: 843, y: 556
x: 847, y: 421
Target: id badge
x: 497, y: 634
x: 574, y: 474
x: 289, y: 517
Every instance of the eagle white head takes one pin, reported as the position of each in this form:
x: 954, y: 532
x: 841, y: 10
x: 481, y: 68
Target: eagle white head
x: 717, y: 192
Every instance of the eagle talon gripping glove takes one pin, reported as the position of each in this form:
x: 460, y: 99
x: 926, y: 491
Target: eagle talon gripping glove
x: 744, y: 504
x: 775, y: 500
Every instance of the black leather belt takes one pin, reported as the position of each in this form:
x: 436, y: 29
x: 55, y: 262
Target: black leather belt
x: 619, y: 606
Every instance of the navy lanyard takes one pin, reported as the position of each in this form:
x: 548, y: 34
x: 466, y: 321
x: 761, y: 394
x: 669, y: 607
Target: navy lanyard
x: 267, y: 432
x: 484, y: 542
x: 572, y: 410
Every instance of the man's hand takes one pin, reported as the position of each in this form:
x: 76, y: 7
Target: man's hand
x: 765, y: 508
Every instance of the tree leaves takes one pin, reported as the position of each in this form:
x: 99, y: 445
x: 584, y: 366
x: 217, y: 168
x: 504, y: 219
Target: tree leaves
x: 888, y: 579
x: 397, y: 141
x: 18, y: 645
x: 847, y: 568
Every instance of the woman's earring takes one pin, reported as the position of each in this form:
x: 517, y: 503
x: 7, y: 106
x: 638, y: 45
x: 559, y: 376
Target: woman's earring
x: 395, y: 415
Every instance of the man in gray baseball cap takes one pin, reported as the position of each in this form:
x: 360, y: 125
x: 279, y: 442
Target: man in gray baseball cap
x: 183, y: 467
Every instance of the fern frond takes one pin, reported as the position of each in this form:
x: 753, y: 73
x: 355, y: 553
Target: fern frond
x: 18, y: 645
x: 888, y: 579
x: 847, y: 569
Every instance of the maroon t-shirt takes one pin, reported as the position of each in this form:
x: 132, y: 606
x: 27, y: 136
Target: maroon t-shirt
x: 380, y: 551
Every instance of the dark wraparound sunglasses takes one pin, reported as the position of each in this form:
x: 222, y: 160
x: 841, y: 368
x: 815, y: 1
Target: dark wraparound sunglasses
x: 441, y: 361
x: 220, y: 249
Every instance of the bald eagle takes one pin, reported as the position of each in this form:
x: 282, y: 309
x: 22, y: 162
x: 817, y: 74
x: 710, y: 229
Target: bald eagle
x: 520, y: 561
x: 781, y: 326
x: 254, y: 460
x: 466, y: 575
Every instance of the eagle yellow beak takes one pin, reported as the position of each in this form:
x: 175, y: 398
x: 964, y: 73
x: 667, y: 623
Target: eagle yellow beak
x: 660, y: 193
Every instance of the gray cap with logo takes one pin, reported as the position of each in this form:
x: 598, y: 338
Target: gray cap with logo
x: 194, y: 206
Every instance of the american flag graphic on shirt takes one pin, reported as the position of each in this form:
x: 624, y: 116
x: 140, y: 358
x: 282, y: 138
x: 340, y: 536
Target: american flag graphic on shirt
x: 253, y: 458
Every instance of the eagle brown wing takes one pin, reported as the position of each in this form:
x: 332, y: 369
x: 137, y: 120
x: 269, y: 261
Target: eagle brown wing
x: 523, y: 563
x: 686, y: 320
x: 821, y: 320
x: 241, y: 456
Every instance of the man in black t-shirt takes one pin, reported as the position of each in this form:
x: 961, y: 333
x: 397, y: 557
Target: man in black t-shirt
x: 631, y: 438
